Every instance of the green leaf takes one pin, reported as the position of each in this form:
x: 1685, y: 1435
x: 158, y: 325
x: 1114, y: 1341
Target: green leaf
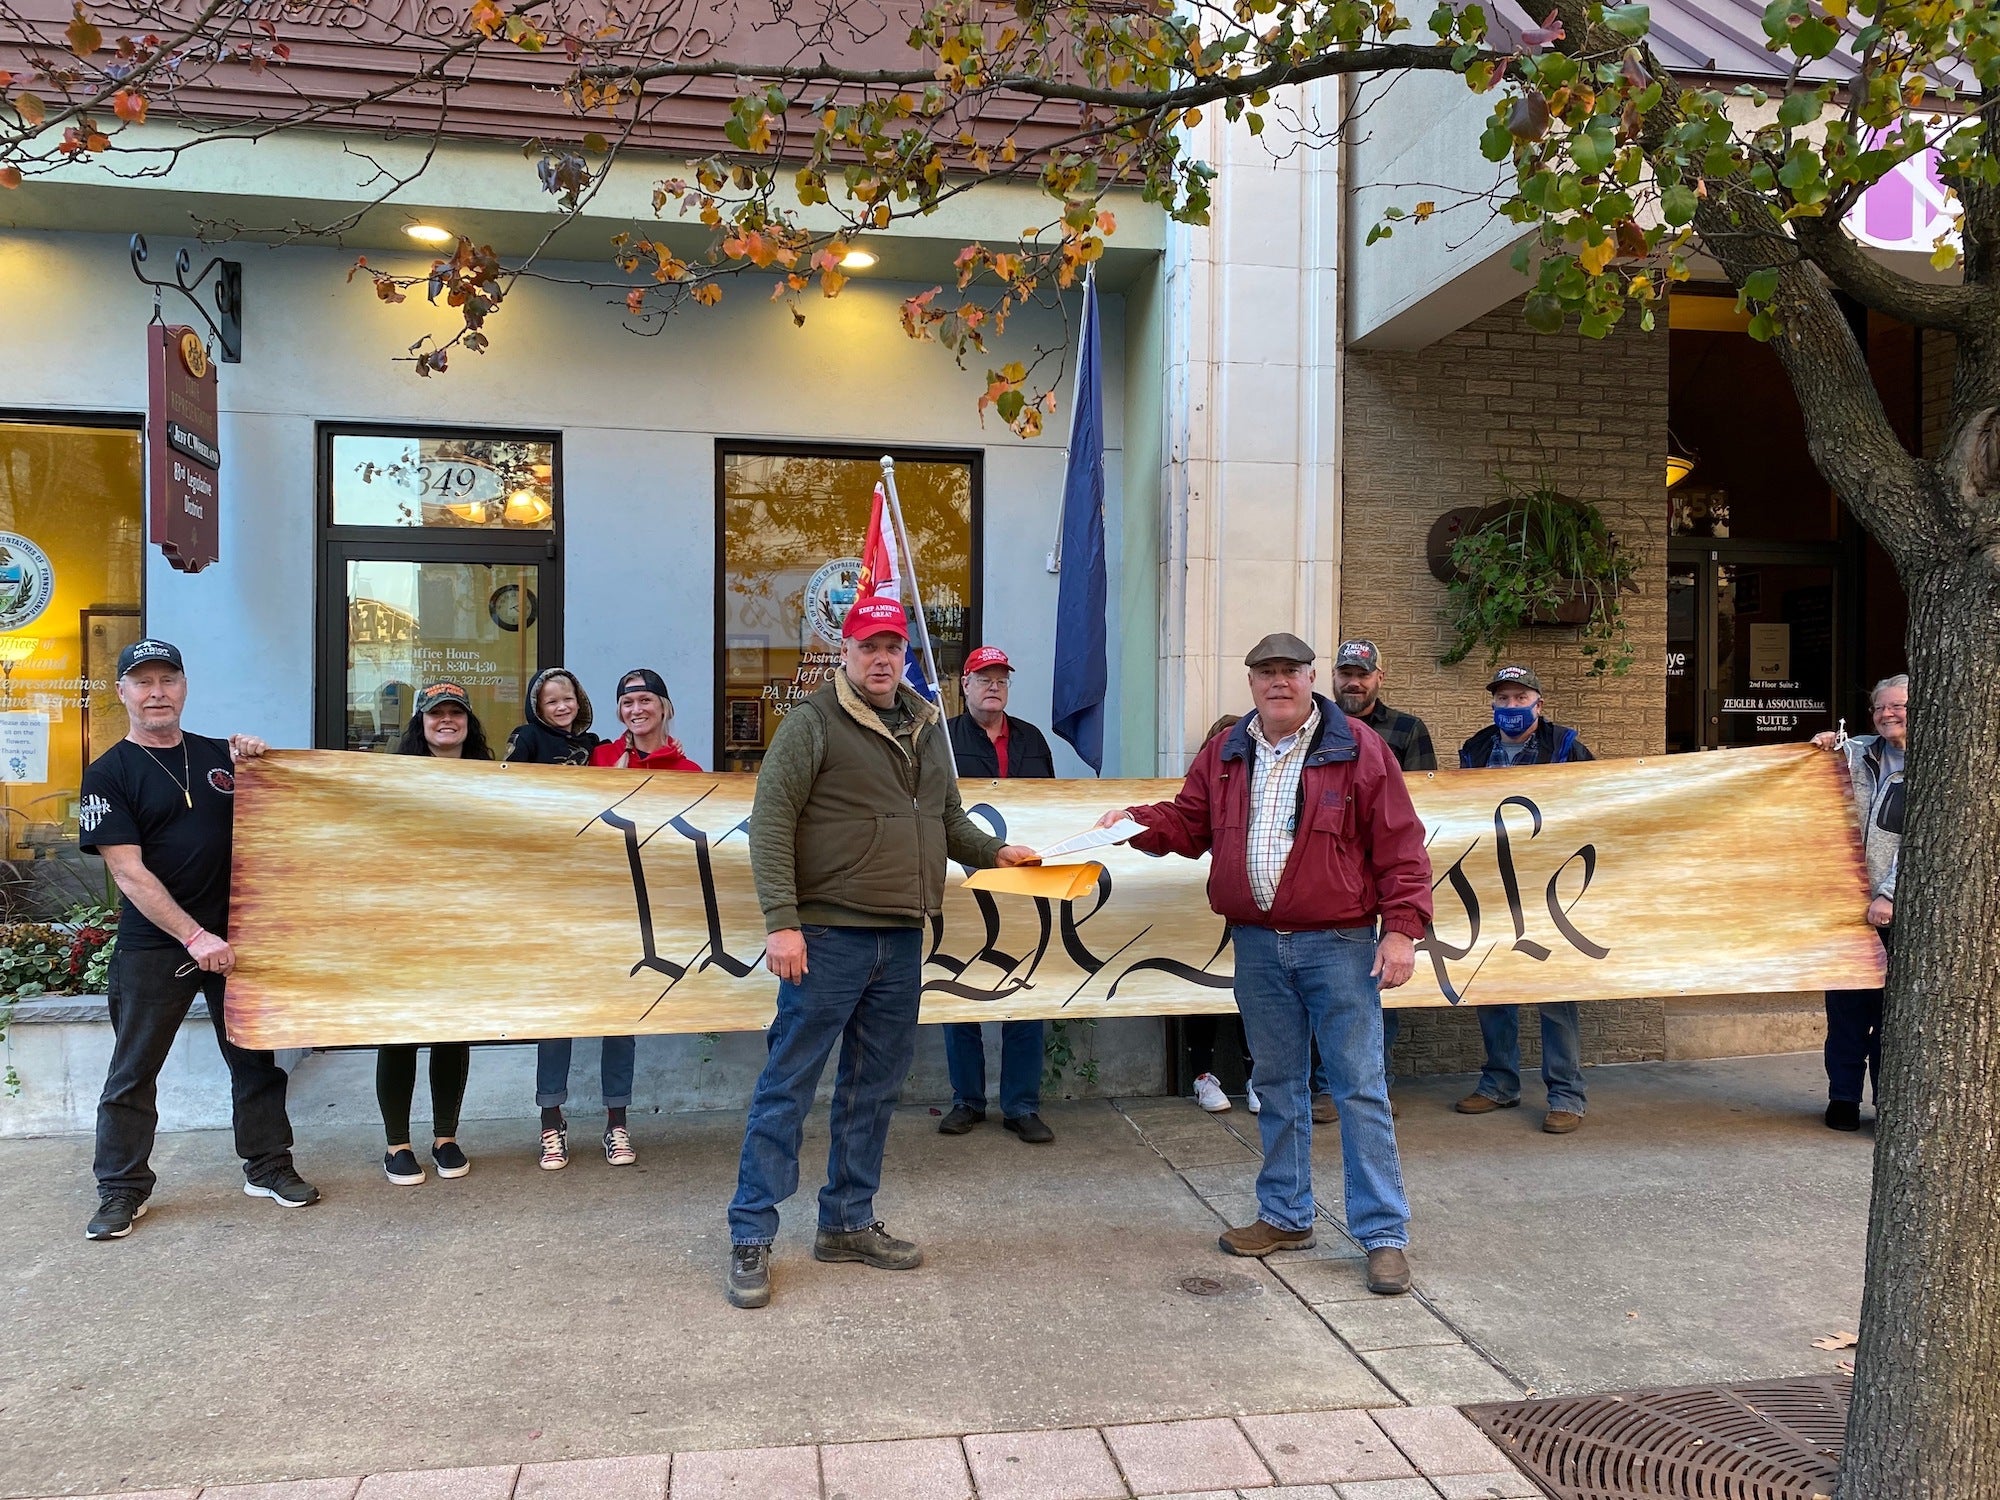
x: 1761, y: 286
x: 1764, y: 327
x: 1677, y: 205
x: 1592, y: 151
x: 1543, y: 313
x: 1628, y: 20
x: 1799, y: 109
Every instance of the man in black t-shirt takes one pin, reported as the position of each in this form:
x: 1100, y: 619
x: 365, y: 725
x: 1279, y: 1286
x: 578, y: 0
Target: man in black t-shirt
x: 158, y: 808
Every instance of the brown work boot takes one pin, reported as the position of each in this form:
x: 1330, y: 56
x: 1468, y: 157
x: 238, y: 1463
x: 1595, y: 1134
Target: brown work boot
x: 1561, y: 1121
x: 1325, y: 1112
x: 1388, y: 1272
x: 1483, y: 1104
x: 1260, y: 1239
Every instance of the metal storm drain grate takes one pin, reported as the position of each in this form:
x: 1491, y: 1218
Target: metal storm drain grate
x: 1765, y: 1440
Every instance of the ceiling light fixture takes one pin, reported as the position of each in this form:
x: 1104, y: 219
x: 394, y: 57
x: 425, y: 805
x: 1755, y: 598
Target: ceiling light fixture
x: 856, y: 260
x: 429, y: 234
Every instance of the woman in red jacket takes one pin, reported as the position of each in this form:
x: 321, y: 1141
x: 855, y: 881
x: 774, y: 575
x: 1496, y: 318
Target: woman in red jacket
x: 645, y: 710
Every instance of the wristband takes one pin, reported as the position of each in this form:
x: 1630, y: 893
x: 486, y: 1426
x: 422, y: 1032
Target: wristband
x: 188, y: 941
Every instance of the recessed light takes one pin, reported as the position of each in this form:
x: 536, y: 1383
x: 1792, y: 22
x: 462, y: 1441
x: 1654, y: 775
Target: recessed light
x: 429, y: 234
x: 856, y: 260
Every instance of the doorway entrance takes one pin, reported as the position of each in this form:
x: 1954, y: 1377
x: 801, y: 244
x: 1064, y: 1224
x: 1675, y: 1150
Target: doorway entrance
x: 1753, y: 644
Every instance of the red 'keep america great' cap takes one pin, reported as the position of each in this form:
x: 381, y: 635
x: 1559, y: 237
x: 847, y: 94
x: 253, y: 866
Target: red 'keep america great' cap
x: 988, y: 656
x: 874, y: 615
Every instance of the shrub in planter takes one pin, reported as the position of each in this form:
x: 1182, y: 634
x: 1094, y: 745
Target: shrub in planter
x: 69, y: 957
x: 1538, y: 557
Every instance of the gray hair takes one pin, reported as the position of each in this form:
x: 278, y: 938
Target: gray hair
x: 1901, y: 680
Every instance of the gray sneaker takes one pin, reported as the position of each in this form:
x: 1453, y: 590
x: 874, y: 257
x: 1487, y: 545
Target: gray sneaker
x: 873, y: 1246
x: 749, y: 1275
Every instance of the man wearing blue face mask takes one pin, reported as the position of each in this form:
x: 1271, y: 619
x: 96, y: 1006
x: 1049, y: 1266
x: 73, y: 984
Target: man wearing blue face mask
x: 1521, y: 735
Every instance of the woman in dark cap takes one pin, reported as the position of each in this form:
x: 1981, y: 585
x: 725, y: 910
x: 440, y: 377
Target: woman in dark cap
x: 646, y: 712
x: 557, y: 729
x: 444, y: 727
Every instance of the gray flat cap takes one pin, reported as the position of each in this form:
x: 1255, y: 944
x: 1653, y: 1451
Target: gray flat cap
x: 1279, y: 646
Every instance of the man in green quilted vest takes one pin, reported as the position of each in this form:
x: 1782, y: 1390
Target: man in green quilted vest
x: 857, y: 812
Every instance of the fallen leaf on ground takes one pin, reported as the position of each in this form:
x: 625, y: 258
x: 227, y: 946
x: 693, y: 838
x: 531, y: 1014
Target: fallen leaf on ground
x: 1845, y: 1366
x: 1836, y: 1341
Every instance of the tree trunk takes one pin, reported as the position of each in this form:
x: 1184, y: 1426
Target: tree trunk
x: 1926, y: 1417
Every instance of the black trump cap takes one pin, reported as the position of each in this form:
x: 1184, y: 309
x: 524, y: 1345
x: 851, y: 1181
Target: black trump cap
x: 140, y: 652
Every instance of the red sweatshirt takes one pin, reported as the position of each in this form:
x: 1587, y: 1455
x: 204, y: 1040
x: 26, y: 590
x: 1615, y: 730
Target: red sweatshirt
x: 621, y: 753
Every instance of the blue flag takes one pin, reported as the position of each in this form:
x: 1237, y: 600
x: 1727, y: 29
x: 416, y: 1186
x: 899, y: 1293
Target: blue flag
x: 1081, y: 676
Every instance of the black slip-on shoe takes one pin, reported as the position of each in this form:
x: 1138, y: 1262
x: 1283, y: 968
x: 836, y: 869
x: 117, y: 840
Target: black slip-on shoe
x: 1031, y: 1129
x: 961, y: 1119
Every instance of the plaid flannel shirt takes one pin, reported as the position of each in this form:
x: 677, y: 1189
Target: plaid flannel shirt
x: 1274, y: 804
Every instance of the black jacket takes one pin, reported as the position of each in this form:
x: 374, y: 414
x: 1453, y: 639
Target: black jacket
x: 1552, y: 744
x: 539, y: 742
x: 1027, y: 752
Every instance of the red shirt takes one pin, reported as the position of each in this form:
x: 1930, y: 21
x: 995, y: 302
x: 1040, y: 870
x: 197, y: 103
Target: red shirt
x: 668, y: 757
x: 1000, y: 745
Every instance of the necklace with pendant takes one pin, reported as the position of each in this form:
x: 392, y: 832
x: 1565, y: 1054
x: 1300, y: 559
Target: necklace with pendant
x: 185, y: 781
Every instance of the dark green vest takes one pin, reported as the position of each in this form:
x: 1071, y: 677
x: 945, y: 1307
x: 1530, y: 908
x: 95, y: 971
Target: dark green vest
x: 871, y: 835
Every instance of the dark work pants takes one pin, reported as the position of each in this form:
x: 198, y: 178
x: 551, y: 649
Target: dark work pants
x: 1854, y: 1042
x: 148, y: 1003
x: 396, y: 1087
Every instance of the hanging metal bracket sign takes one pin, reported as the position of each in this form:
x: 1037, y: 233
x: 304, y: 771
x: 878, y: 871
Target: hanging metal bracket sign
x: 226, y: 326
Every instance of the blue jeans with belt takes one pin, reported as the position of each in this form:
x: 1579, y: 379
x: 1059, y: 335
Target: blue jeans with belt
x: 860, y: 991
x: 1295, y: 988
x: 615, y: 1070
x: 1020, y: 1066
x: 1562, y: 1054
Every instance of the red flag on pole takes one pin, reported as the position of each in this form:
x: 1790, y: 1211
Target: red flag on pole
x: 879, y: 574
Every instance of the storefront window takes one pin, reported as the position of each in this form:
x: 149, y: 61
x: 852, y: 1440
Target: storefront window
x: 793, y: 524
x: 438, y: 566
x: 72, y: 557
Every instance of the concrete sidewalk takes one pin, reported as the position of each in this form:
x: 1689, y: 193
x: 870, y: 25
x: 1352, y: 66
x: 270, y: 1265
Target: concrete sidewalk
x: 1702, y: 1225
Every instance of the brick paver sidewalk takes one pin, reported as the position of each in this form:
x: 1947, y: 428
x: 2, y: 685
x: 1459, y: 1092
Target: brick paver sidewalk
x: 1397, y: 1453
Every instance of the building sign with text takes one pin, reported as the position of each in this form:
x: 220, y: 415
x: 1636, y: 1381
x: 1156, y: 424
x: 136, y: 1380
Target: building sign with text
x: 183, y: 454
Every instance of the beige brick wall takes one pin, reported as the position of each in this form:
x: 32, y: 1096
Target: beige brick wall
x: 1433, y: 429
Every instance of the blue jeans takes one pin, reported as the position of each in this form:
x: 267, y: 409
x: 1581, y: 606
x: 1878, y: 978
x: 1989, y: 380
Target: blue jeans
x: 860, y: 990
x: 1392, y: 1027
x: 1020, y: 1066
x: 1562, y: 1053
x: 1295, y: 988
x: 552, y: 1072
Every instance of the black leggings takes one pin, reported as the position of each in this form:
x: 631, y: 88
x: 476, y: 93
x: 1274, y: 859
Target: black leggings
x: 396, y: 1085
x: 1200, y: 1033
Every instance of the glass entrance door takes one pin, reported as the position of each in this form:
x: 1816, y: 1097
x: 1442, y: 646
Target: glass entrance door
x: 1752, y: 645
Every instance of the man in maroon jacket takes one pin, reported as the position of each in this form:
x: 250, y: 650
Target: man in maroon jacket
x: 1318, y: 865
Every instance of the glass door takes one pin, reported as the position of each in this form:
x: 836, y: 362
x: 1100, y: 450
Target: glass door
x: 1753, y: 652
x: 438, y: 564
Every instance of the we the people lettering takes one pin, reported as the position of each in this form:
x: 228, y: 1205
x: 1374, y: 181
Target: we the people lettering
x: 536, y: 901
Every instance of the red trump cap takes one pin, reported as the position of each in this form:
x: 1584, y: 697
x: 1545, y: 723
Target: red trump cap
x: 988, y: 656
x: 874, y: 615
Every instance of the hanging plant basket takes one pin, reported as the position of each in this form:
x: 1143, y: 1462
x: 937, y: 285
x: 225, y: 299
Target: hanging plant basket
x: 1533, y: 558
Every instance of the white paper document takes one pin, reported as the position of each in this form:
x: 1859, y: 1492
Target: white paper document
x: 1096, y: 838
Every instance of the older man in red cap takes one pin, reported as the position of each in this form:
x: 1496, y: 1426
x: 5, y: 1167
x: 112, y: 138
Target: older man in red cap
x: 988, y: 742
x: 857, y: 810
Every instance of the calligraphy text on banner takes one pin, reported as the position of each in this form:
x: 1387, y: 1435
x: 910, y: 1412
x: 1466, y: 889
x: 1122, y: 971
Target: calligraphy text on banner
x: 394, y: 899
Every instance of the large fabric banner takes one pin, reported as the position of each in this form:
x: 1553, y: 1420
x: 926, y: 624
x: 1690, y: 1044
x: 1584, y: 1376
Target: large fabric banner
x: 394, y: 899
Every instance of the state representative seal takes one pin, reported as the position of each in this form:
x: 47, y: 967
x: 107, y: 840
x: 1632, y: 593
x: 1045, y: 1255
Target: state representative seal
x: 27, y: 581
x: 829, y: 593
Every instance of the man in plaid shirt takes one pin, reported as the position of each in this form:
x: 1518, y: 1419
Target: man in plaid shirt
x: 1318, y: 865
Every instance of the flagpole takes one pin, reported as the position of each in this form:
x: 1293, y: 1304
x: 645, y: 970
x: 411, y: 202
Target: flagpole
x: 1075, y: 406
x: 910, y: 568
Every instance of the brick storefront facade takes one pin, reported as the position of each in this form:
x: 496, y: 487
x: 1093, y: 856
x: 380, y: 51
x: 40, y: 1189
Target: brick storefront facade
x: 1432, y: 429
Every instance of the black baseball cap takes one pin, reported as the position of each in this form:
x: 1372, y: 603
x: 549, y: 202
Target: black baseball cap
x: 643, y: 680
x: 147, y: 650
x: 1515, y: 677
x: 1358, y: 653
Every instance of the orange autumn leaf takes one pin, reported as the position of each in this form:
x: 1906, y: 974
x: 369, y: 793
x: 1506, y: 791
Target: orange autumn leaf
x: 129, y: 106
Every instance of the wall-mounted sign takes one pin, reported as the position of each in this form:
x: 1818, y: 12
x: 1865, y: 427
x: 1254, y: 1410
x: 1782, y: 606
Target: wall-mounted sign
x: 27, y: 581
x: 24, y: 748
x: 183, y: 450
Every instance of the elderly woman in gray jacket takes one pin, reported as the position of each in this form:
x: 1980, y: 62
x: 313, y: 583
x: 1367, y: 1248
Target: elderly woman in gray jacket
x: 1854, y: 1017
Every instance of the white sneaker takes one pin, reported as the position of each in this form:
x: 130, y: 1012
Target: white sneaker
x: 1250, y: 1099
x: 1208, y: 1094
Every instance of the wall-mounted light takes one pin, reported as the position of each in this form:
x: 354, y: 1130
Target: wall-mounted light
x: 429, y: 234
x: 856, y: 260
x: 1678, y: 468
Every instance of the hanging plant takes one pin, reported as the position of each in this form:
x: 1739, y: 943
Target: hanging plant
x: 1534, y: 557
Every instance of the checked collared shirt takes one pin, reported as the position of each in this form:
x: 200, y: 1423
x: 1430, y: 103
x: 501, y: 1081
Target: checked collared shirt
x: 1274, y: 804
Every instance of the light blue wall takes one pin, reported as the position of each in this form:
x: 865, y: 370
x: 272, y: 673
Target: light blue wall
x: 640, y: 418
